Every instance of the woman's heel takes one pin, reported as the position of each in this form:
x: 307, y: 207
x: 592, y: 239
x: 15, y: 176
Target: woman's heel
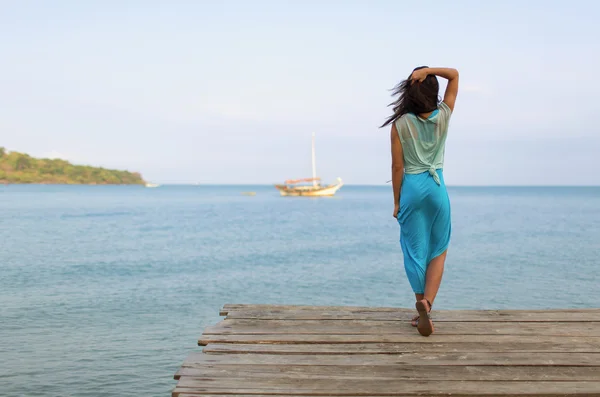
x: 424, y: 325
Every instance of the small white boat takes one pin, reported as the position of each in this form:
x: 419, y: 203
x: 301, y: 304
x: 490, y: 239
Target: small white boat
x: 294, y: 187
x: 152, y: 184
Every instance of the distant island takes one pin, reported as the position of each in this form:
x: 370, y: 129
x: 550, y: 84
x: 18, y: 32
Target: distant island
x: 18, y: 167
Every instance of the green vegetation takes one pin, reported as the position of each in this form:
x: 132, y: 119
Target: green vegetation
x: 21, y: 168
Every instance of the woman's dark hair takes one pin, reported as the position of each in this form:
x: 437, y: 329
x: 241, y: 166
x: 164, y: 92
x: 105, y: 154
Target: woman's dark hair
x: 414, y: 98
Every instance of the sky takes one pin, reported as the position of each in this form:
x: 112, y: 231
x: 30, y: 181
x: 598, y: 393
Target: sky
x: 231, y: 91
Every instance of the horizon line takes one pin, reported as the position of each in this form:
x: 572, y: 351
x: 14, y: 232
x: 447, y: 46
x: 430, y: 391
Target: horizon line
x: 356, y: 185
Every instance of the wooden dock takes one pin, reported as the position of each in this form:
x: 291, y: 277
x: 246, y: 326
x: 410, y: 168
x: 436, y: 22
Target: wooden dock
x: 261, y: 350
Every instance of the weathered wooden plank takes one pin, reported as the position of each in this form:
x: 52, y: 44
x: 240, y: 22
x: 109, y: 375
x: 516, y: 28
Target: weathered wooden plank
x: 299, y: 339
x: 237, y: 306
x: 421, y: 358
x: 188, y: 394
x: 385, y: 372
x: 251, y: 306
x: 365, y: 387
x: 587, y: 315
x: 367, y: 309
x: 185, y: 393
x: 341, y: 327
x: 565, y: 346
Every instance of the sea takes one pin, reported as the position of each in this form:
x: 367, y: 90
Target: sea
x: 104, y: 290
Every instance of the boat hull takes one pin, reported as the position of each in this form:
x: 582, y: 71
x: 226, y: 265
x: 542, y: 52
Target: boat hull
x: 308, y: 191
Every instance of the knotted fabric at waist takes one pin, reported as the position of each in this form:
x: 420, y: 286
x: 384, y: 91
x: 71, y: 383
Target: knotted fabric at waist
x: 432, y: 169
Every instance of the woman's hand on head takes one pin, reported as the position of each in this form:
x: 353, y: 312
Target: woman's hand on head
x: 419, y: 75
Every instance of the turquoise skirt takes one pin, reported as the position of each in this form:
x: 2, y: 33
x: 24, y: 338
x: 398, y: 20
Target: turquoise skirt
x: 425, y: 226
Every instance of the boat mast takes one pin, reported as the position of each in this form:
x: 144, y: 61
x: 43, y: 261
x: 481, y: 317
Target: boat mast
x: 314, y: 164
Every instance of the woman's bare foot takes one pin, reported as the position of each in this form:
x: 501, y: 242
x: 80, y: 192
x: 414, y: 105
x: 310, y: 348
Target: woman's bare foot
x: 424, y: 324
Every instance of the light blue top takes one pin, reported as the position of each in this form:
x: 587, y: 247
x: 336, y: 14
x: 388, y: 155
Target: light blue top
x: 424, y: 141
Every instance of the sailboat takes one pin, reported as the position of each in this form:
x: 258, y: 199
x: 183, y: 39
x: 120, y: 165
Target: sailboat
x: 309, y: 186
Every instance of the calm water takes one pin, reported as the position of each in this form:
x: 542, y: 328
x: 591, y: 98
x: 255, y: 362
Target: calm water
x: 104, y: 290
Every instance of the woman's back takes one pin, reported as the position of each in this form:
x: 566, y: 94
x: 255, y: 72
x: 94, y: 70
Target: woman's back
x: 424, y: 140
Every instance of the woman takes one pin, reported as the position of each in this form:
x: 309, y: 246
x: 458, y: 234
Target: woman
x: 421, y: 204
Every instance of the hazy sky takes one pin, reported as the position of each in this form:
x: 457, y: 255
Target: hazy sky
x: 230, y: 91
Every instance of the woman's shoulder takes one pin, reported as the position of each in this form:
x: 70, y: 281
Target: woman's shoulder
x: 406, y: 117
x: 444, y: 116
x: 403, y: 121
x: 444, y: 108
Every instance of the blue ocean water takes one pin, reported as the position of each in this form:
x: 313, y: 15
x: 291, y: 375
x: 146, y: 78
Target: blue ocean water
x: 104, y: 290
